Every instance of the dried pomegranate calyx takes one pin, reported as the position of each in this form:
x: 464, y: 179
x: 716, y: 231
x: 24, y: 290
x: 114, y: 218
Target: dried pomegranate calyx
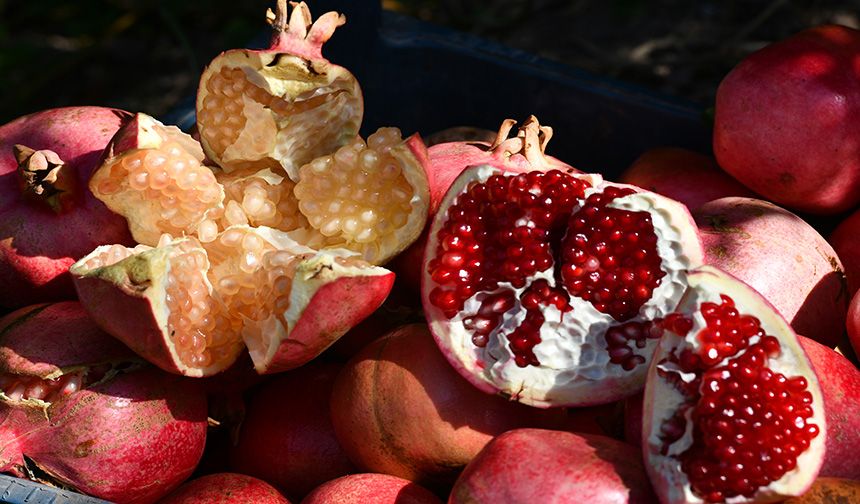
x: 43, y: 176
x: 733, y: 408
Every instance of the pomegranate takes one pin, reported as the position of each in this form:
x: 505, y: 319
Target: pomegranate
x: 537, y: 465
x: 852, y: 324
x: 783, y: 257
x: 292, y: 444
x: 826, y: 490
x: 682, y: 174
x: 46, y: 159
x: 371, y: 488
x: 783, y: 123
x: 399, y: 408
x: 840, y: 385
x: 282, y: 106
x: 844, y: 240
x: 225, y: 488
x: 733, y: 409
x: 548, y: 287
x: 80, y: 410
x: 192, y: 307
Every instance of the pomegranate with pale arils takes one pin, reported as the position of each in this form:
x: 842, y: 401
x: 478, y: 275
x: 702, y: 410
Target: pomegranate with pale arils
x: 399, y: 408
x: 292, y: 444
x: 733, y: 410
x: 46, y: 159
x: 225, y: 488
x: 371, y: 488
x: 81, y: 410
x: 525, y: 466
x: 279, y: 107
x: 783, y: 257
x: 549, y: 287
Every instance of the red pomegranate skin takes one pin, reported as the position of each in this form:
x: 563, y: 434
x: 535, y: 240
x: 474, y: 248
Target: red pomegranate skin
x: 287, y: 438
x: 785, y: 121
x: 537, y: 465
x: 840, y: 384
x: 852, y: 324
x: 371, y: 488
x: 684, y: 175
x: 38, y: 244
x: 398, y: 407
x: 225, y: 488
x: 845, y: 240
x: 783, y: 257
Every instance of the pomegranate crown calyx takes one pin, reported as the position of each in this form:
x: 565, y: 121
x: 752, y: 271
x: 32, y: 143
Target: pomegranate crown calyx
x: 298, y: 32
x: 44, y: 177
x: 530, y: 142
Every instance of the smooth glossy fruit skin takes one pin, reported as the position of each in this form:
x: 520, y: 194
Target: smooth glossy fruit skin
x: 829, y: 491
x: 845, y: 240
x: 371, y: 488
x: 33, y: 261
x: 784, y: 122
x: 783, y: 257
x: 399, y: 408
x: 287, y: 438
x: 840, y: 384
x: 524, y: 466
x: 684, y: 175
x: 225, y: 488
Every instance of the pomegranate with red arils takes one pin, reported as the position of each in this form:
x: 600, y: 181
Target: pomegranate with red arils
x: 46, y: 159
x: 192, y: 307
x: 549, y: 287
x: 80, y: 410
x: 783, y: 257
x: 371, y: 488
x: 840, y: 386
x: 282, y: 106
x: 784, y: 121
x: 225, y: 488
x: 292, y: 444
x: 733, y: 409
x: 682, y: 174
x: 399, y: 408
x: 524, y: 466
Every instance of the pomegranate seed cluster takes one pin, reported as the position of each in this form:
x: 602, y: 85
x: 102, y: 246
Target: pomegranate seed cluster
x: 18, y: 387
x: 359, y: 193
x: 222, y: 115
x: 751, y: 423
x: 250, y: 199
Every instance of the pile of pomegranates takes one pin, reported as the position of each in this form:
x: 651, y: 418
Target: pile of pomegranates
x: 273, y: 308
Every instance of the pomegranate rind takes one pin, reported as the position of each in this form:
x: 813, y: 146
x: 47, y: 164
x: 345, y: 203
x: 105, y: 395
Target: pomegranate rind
x: 292, y: 69
x: 135, y: 288
x: 327, y: 299
x: 575, y: 368
x: 661, y: 399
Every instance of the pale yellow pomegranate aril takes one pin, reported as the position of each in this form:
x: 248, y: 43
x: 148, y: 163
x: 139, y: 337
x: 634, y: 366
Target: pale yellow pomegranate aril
x: 168, y: 185
x: 257, y: 200
x: 359, y: 194
x: 18, y: 387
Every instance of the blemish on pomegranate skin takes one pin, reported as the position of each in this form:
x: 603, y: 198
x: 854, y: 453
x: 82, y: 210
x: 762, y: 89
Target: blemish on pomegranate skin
x: 787, y: 179
x: 84, y: 449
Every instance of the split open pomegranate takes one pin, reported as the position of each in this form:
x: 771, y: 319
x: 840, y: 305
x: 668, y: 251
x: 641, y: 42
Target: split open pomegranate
x: 549, y: 286
x: 733, y: 411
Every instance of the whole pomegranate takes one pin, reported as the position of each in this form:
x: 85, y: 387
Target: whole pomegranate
x: 78, y: 407
x: 225, y: 488
x: 548, y: 287
x: 784, y: 122
x: 46, y: 159
x: 682, y: 174
x: 292, y: 444
x: 371, y: 488
x: 524, y: 466
x: 733, y: 408
x: 783, y: 257
x: 399, y: 408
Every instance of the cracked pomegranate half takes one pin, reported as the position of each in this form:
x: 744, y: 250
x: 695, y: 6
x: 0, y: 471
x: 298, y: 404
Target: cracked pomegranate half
x: 191, y: 307
x: 733, y: 410
x: 549, y: 286
x: 279, y: 107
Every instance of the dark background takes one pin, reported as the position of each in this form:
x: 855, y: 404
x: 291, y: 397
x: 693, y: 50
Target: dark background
x: 146, y: 55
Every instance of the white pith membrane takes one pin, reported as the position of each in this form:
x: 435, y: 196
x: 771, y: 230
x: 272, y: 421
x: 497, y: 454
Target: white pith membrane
x: 283, y: 106
x: 248, y: 287
x: 664, y: 401
x: 574, y: 367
